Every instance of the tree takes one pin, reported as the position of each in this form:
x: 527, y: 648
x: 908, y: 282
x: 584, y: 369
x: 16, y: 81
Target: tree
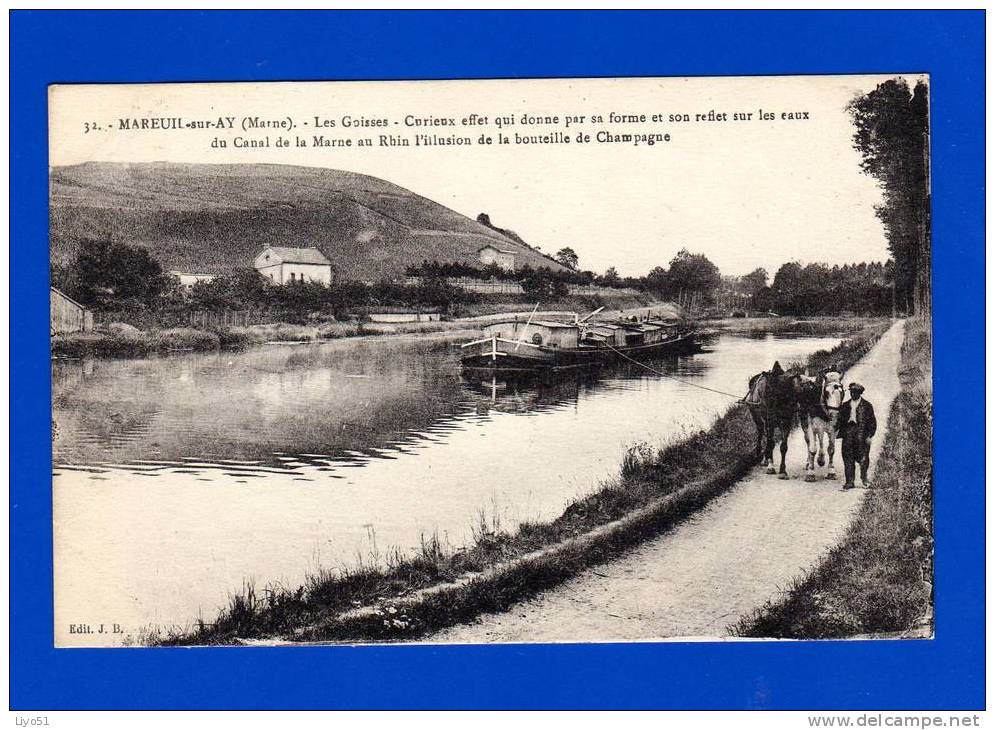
x: 242, y: 288
x: 568, y: 257
x: 862, y: 288
x: 892, y: 135
x: 105, y: 272
x: 754, y: 282
x: 658, y: 282
x: 784, y: 289
x: 542, y: 284
x: 610, y: 277
x: 693, y: 273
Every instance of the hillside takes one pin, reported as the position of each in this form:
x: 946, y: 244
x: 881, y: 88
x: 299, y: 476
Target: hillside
x: 213, y: 218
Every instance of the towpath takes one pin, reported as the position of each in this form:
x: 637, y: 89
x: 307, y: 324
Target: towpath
x: 716, y: 566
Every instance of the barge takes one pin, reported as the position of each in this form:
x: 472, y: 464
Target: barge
x: 517, y: 346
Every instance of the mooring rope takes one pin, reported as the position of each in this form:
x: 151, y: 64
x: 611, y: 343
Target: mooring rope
x: 739, y: 398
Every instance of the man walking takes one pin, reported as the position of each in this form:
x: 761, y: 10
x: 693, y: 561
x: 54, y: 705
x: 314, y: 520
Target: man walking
x: 856, y: 426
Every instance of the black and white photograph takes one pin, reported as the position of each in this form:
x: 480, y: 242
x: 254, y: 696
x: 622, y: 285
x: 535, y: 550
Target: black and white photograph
x: 491, y: 361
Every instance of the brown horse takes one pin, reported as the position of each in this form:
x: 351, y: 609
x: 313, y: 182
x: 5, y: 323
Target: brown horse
x: 773, y: 398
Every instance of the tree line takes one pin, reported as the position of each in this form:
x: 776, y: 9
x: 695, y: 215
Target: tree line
x: 116, y: 277
x: 815, y: 289
x: 892, y: 136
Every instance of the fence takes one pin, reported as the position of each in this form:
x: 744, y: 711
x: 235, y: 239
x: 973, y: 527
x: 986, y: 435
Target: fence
x: 210, y: 319
x: 200, y: 319
x: 591, y: 289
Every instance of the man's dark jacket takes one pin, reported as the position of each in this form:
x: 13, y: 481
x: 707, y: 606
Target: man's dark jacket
x: 866, y: 423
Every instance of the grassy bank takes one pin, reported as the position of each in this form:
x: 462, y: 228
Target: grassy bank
x: 401, y: 597
x: 121, y: 340
x: 879, y: 578
x: 805, y: 325
x: 258, y: 334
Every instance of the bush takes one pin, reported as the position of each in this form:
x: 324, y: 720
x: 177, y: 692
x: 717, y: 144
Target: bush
x: 129, y: 342
x: 543, y: 285
x: 182, y: 338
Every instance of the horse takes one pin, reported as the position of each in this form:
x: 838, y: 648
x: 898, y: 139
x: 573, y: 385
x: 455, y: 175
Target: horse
x: 814, y: 422
x: 756, y: 399
x: 772, y: 399
x: 819, y: 401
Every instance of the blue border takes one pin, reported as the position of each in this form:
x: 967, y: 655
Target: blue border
x: 190, y: 46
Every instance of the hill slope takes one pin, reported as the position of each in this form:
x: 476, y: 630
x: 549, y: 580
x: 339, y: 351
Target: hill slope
x: 214, y: 218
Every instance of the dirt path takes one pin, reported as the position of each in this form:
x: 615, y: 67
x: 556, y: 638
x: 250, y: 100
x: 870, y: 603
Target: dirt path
x: 718, y: 565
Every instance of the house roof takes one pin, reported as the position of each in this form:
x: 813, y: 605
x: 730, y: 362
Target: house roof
x: 68, y: 298
x: 299, y: 255
x: 499, y: 250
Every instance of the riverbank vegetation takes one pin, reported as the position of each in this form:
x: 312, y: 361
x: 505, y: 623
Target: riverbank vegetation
x: 122, y: 340
x: 878, y: 580
x: 801, y: 325
x: 125, y: 284
x: 119, y: 340
x: 395, y: 596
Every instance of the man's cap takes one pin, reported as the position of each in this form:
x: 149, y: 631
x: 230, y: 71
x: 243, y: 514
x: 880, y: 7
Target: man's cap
x: 857, y: 387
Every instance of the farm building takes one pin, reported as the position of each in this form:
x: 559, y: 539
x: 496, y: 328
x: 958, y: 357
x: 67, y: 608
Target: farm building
x: 188, y: 279
x: 504, y: 258
x: 68, y: 315
x: 283, y: 265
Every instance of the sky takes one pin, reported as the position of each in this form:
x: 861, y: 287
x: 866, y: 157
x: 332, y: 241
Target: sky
x: 745, y: 193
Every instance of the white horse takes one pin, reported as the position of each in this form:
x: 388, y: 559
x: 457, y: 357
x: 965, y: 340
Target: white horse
x: 819, y: 407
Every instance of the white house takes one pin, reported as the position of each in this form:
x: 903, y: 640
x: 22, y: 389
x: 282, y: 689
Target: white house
x: 283, y: 265
x: 188, y: 279
x: 505, y: 258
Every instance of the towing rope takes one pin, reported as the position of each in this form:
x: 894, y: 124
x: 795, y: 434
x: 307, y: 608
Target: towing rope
x: 679, y: 380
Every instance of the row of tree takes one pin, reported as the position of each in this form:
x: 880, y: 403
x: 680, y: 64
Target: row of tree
x: 110, y: 275
x: 892, y: 135
x: 571, y: 274
x: 113, y: 276
x: 246, y: 289
x: 816, y: 289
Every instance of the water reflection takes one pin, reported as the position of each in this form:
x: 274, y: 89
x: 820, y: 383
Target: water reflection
x: 526, y: 392
x: 272, y: 407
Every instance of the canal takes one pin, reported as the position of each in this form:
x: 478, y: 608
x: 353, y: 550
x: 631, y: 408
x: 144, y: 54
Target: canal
x: 178, y: 479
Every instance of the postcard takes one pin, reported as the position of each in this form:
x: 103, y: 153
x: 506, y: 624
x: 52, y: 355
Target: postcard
x: 531, y: 360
